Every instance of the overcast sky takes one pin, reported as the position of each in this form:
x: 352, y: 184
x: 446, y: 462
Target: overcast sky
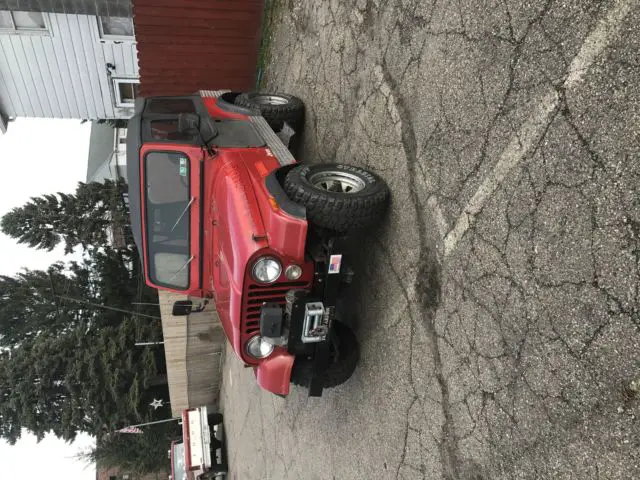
x: 40, y: 156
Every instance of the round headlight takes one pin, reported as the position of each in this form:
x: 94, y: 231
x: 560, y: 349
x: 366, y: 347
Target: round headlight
x: 257, y: 348
x: 293, y: 272
x: 266, y: 270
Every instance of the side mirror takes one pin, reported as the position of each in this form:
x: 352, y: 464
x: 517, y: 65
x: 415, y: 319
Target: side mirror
x: 188, y: 122
x: 182, y: 308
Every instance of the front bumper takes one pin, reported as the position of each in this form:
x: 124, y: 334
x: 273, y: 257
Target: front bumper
x: 305, y: 327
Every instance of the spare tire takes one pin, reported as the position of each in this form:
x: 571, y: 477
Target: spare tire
x: 276, y: 108
x: 338, y: 197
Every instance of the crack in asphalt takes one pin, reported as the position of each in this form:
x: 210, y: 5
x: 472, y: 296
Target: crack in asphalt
x: 529, y: 135
x: 427, y: 283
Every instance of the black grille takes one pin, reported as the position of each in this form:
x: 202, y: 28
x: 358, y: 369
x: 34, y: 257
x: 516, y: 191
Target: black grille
x: 256, y: 295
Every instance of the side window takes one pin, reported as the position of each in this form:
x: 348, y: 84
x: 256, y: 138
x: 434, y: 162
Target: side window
x: 167, y: 130
x: 161, y: 118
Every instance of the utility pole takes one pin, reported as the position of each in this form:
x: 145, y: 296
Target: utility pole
x: 152, y: 423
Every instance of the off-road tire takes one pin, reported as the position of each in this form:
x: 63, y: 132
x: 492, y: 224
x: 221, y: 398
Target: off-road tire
x: 214, y: 418
x: 219, y: 469
x: 216, y: 471
x: 340, y: 368
x: 291, y: 111
x: 338, y: 211
x: 210, y: 475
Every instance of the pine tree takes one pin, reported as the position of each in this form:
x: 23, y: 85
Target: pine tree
x: 81, y: 219
x: 51, y: 302
x: 67, y: 364
x: 30, y: 303
x: 140, y: 453
x: 80, y: 381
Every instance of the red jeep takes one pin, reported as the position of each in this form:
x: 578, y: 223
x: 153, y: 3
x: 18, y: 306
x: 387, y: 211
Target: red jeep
x: 221, y: 211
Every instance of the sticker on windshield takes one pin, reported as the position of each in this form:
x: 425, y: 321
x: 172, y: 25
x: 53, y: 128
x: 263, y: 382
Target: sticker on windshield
x: 183, y: 171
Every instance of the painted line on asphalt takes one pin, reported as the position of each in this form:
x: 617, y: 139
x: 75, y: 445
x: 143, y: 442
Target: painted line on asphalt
x: 425, y: 186
x: 530, y: 133
x: 441, y: 221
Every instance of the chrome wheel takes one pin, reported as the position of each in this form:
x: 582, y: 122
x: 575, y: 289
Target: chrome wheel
x: 266, y: 99
x: 337, y: 181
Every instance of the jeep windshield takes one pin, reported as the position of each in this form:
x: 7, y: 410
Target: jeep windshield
x: 168, y: 218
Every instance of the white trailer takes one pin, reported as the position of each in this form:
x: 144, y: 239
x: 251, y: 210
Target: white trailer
x: 199, y: 455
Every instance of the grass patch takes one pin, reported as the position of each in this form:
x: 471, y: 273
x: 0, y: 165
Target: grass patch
x: 272, y: 8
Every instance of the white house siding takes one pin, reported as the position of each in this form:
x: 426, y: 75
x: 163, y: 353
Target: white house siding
x: 63, y: 74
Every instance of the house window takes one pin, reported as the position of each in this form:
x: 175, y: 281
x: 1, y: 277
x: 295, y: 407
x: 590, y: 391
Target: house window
x: 120, y: 147
x: 116, y: 28
x: 126, y: 91
x: 22, y: 22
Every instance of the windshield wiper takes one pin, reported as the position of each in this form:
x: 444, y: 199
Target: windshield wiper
x: 182, y: 268
x: 182, y: 214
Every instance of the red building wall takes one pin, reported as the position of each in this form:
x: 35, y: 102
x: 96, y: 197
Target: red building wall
x: 190, y: 45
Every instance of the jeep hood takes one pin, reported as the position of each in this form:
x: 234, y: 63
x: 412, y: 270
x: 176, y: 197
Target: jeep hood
x: 238, y: 233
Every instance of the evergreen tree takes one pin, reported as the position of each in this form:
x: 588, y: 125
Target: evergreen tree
x: 30, y: 303
x: 80, y: 381
x: 51, y: 302
x: 81, y: 219
x: 67, y: 363
x: 140, y: 453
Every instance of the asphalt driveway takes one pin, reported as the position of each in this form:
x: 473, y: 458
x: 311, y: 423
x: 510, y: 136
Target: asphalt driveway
x: 497, y: 305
